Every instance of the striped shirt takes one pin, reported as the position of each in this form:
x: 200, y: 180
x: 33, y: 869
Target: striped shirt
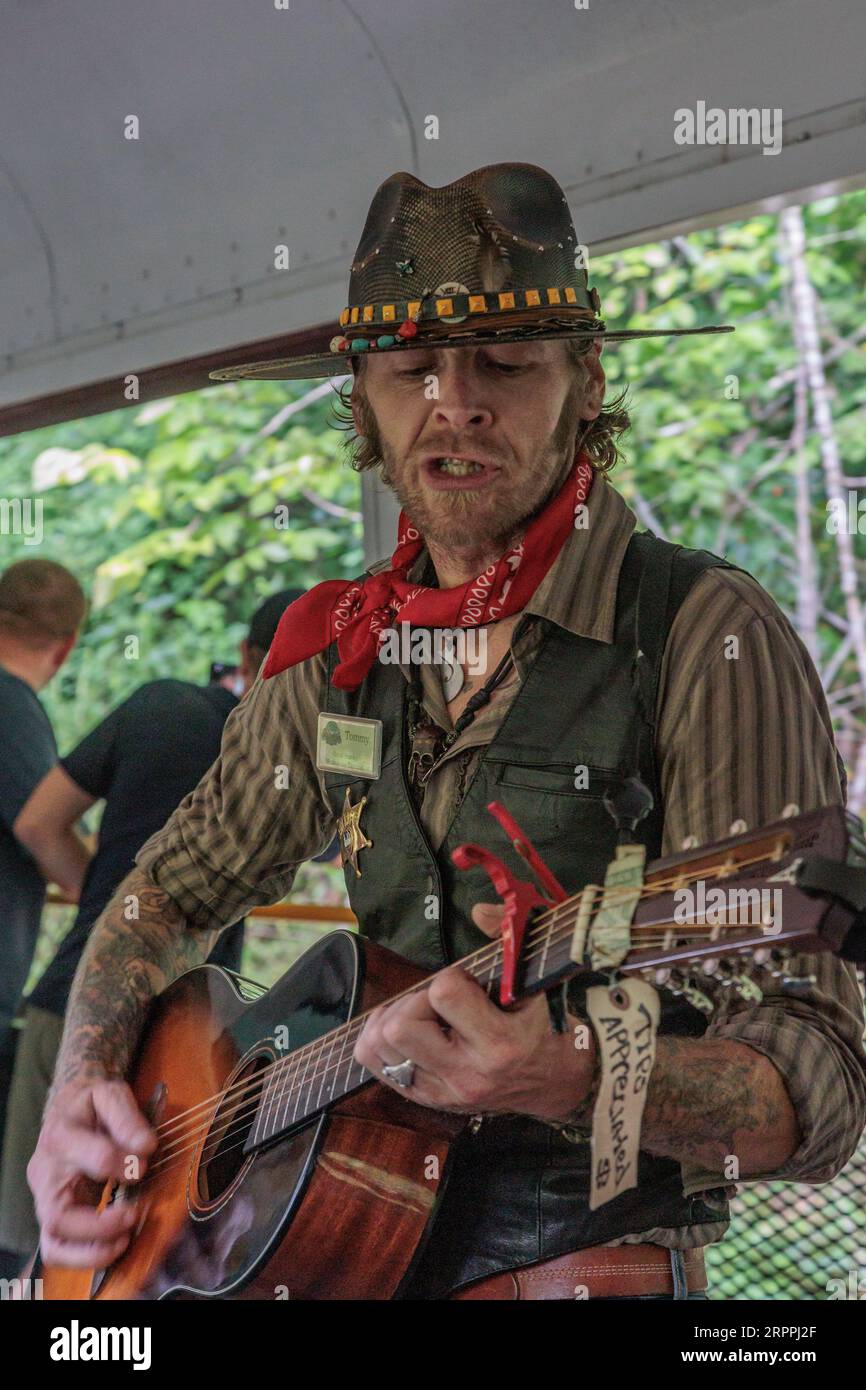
x: 742, y: 731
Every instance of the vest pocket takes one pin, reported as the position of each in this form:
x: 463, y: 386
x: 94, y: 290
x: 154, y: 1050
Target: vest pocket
x: 560, y: 779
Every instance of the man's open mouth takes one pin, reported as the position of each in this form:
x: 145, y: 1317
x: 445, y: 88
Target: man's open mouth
x: 458, y: 468
x: 447, y: 470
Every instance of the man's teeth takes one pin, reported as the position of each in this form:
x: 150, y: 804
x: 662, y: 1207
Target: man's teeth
x: 458, y: 468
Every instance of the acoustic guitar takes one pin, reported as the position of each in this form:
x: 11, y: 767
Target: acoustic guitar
x: 285, y: 1170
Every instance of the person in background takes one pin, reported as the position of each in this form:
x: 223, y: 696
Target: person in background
x: 142, y: 760
x: 42, y: 607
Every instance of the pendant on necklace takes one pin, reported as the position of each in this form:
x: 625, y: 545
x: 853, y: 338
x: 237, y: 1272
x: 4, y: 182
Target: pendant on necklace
x: 452, y: 679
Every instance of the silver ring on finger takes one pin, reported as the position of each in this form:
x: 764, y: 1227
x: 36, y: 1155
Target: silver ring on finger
x: 402, y: 1075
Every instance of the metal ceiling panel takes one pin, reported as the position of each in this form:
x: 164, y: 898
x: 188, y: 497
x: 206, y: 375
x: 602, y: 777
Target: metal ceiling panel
x: 261, y: 126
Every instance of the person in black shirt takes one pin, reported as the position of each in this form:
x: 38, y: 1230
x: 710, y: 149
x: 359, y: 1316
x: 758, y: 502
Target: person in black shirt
x: 143, y: 759
x: 42, y: 607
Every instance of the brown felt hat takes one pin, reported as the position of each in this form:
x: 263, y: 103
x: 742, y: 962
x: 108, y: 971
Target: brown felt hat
x: 491, y: 258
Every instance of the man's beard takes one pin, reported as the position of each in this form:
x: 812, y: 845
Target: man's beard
x: 455, y: 514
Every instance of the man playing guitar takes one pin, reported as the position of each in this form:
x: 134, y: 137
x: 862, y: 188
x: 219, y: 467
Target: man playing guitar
x: 479, y: 394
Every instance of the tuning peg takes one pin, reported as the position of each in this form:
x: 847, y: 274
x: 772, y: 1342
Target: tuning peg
x: 771, y: 960
x: 797, y: 984
x: 792, y: 809
x: 775, y: 962
x: 678, y: 984
x: 690, y: 842
x: 747, y: 989
x: 738, y: 827
x: 697, y: 998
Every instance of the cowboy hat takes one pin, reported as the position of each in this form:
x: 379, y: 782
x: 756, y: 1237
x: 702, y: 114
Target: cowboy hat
x: 490, y: 258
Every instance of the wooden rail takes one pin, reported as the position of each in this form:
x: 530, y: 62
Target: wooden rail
x: 284, y: 912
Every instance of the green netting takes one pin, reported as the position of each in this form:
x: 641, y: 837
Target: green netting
x: 789, y: 1240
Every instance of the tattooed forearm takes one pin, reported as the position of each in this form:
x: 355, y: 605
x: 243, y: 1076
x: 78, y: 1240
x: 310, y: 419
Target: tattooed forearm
x: 128, y: 961
x: 710, y: 1100
x: 713, y: 1099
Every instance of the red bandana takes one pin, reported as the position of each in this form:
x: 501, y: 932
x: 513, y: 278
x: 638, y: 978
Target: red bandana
x: 357, y: 614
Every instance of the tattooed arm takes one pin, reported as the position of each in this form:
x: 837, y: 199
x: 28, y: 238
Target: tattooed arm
x: 92, y: 1123
x: 709, y: 1100
x: 127, y: 962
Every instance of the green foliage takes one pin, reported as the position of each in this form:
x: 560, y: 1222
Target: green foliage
x: 697, y: 455
x: 180, y: 517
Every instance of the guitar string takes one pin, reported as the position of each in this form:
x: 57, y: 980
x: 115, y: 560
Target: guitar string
x: 250, y: 1087
x: 486, y: 956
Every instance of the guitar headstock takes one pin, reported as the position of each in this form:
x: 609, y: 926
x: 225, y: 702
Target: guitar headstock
x: 714, y: 914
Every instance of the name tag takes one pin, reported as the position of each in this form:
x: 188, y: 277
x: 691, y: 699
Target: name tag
x: 345, y: 743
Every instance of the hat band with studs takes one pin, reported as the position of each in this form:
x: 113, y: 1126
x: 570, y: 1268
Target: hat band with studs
x: 404, y: 315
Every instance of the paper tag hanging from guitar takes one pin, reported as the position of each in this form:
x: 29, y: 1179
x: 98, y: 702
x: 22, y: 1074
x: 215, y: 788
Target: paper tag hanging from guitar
x: 625, y: 1020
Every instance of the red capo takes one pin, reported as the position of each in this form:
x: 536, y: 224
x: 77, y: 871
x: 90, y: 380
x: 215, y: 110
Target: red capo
x: 518, y: 896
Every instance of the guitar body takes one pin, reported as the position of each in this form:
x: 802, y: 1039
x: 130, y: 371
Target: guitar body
x: 334, y: 1210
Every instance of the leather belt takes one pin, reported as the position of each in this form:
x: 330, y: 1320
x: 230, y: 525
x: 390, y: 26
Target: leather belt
x: 599, y: 1271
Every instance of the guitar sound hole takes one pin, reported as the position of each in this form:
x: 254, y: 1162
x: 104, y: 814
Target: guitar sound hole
x: 223, y: 1156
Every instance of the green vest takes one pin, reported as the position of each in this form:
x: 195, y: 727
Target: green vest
x: 517, y: 1191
